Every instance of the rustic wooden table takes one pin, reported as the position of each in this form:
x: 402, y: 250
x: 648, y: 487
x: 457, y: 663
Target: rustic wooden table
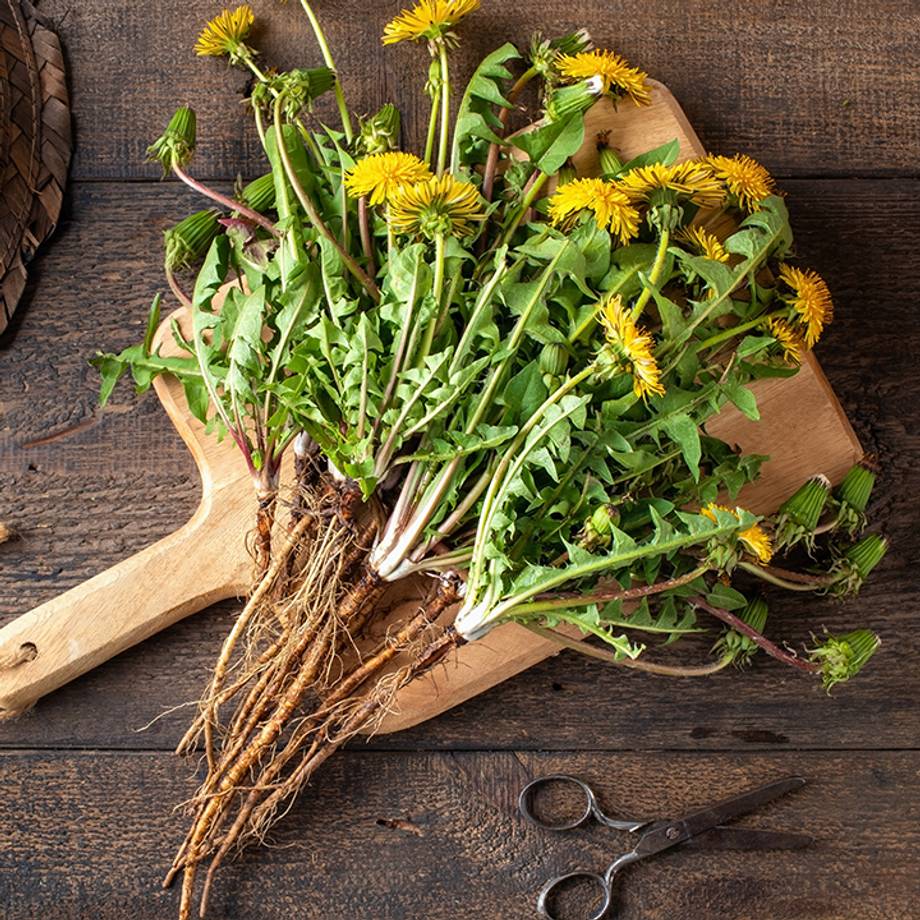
x: 423, y: 824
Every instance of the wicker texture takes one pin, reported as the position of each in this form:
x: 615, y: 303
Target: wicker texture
x: 35, y: 143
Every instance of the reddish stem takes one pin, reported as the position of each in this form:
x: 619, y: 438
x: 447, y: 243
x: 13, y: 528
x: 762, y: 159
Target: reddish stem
x: 769, y: 647
x: 225, y: 201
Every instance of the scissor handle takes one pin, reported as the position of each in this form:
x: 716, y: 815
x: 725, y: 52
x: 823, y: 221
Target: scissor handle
x: 604, y: 886
x: 592, y: 809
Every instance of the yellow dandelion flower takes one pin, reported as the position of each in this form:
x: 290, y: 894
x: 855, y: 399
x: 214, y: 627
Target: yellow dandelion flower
x: 439, y: 206
x: 754, y: 538
x: 691, y: 180
x: 428, y: 19
x: 705, y: 243
x: 614, y: 72
x: 809, y: 298
x: 745, y: 178
x: 381, y: 175
x: 225, y: 32
x: 612, y: 208
x: 787, y: 338
x: 633, y: 346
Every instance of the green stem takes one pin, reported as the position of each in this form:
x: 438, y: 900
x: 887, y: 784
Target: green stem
x: 314, y: 215
x: 779, y: 581
x: 436, y: 291
x: 432, y: 126
x: 731, y: 332
x: 654, y: 275
x: 445, y: 108
x: 606, y: 597
x: 637, y: 664
x: 330, y: 63
x: 529, y: 198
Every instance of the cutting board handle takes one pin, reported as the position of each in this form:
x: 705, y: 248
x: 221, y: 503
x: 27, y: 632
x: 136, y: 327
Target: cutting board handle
x: 78, y: 630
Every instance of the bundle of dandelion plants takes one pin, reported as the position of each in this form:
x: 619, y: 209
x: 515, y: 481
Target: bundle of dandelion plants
x: 493, y: 375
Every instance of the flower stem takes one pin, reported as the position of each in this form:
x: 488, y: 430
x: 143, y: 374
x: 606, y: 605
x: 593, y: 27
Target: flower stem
x: 745, y: 629
x: 229, y: 203
x: 366, y: 242
x: 436, y: 292
x: 731, y: 332
x: 330, y: 63
x: 780, y: 581
x: 488, y: 177
x: 654, y: 274
x: 432, y: 126
x: 636, y: 664
x: 445, y: 108
x: 314, y: 215
x: 533, y: 191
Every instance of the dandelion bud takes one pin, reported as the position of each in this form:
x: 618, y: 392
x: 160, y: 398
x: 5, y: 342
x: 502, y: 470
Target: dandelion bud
x: 189, y: 239
x: 853, y: 495
x: 543, y: 52
x: 867, y: 554
x: 554, y: 359
x: 610, y: 163
x: 433, y: 83
x: 566, y: 174
x: 380, y: 132
x: 857, y: 487
x: 843, y: 657
x: 798, y: 516
x: 571, y: 100
x: 177, y: 143
x: 857, y: 562
x: 260, y: 193
x: 741, y: 647
x: 598, y: 529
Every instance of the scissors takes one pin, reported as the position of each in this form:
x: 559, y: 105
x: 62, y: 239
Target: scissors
x: 700, y: 829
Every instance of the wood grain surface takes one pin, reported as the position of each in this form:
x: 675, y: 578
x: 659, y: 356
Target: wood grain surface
x: 826, y: 95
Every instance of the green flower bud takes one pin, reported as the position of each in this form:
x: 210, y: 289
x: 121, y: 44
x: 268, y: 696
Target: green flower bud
x: 260, y: 193
x: 433, y: 83
x: 570, y: 100
x: 598, y: 529
x: 857, y: 563
x: 380, y: 132
x: 566, y: 174
x: 857, y: 487
x: 742, y: 648
x: 554, y: 358
x: 189, y: 239
x: 543, y: 52
x: 799, y: 515
x: 843, y: 657
x: 296, y: 88
x: 610, y: 163
x: 176, y: 145
x: 867, y: 554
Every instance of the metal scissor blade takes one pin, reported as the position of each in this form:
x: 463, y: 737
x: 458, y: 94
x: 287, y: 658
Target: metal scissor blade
x: 739, y: 805
x: 744, y: 838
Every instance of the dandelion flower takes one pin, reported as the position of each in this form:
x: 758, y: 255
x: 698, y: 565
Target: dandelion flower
x: 381, y: 175
x: 810, y: 298
x: 754, y: 538
x: 703, y: 242
x: 745, y: 178
x: 428, y: 19
x: 787, y: 338
x: 615, y: 73
x: 224, y: 34
x: 633, y: 346
x: 690, y: 180
x: 612, y: 208
x: 439, y: 206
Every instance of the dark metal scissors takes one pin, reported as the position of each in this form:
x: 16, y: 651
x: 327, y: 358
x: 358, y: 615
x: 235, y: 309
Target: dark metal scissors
x: 701, y: 829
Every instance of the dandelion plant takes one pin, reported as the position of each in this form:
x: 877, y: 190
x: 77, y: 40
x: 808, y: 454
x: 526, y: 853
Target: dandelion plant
x: 494, y: 376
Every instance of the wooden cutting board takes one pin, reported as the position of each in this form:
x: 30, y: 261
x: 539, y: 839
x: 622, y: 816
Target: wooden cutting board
x: 802, y: 428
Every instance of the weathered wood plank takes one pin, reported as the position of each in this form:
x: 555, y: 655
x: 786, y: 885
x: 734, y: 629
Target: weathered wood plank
x: 92, y: 834
x: 84, y: 500
x: 810, y: 89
